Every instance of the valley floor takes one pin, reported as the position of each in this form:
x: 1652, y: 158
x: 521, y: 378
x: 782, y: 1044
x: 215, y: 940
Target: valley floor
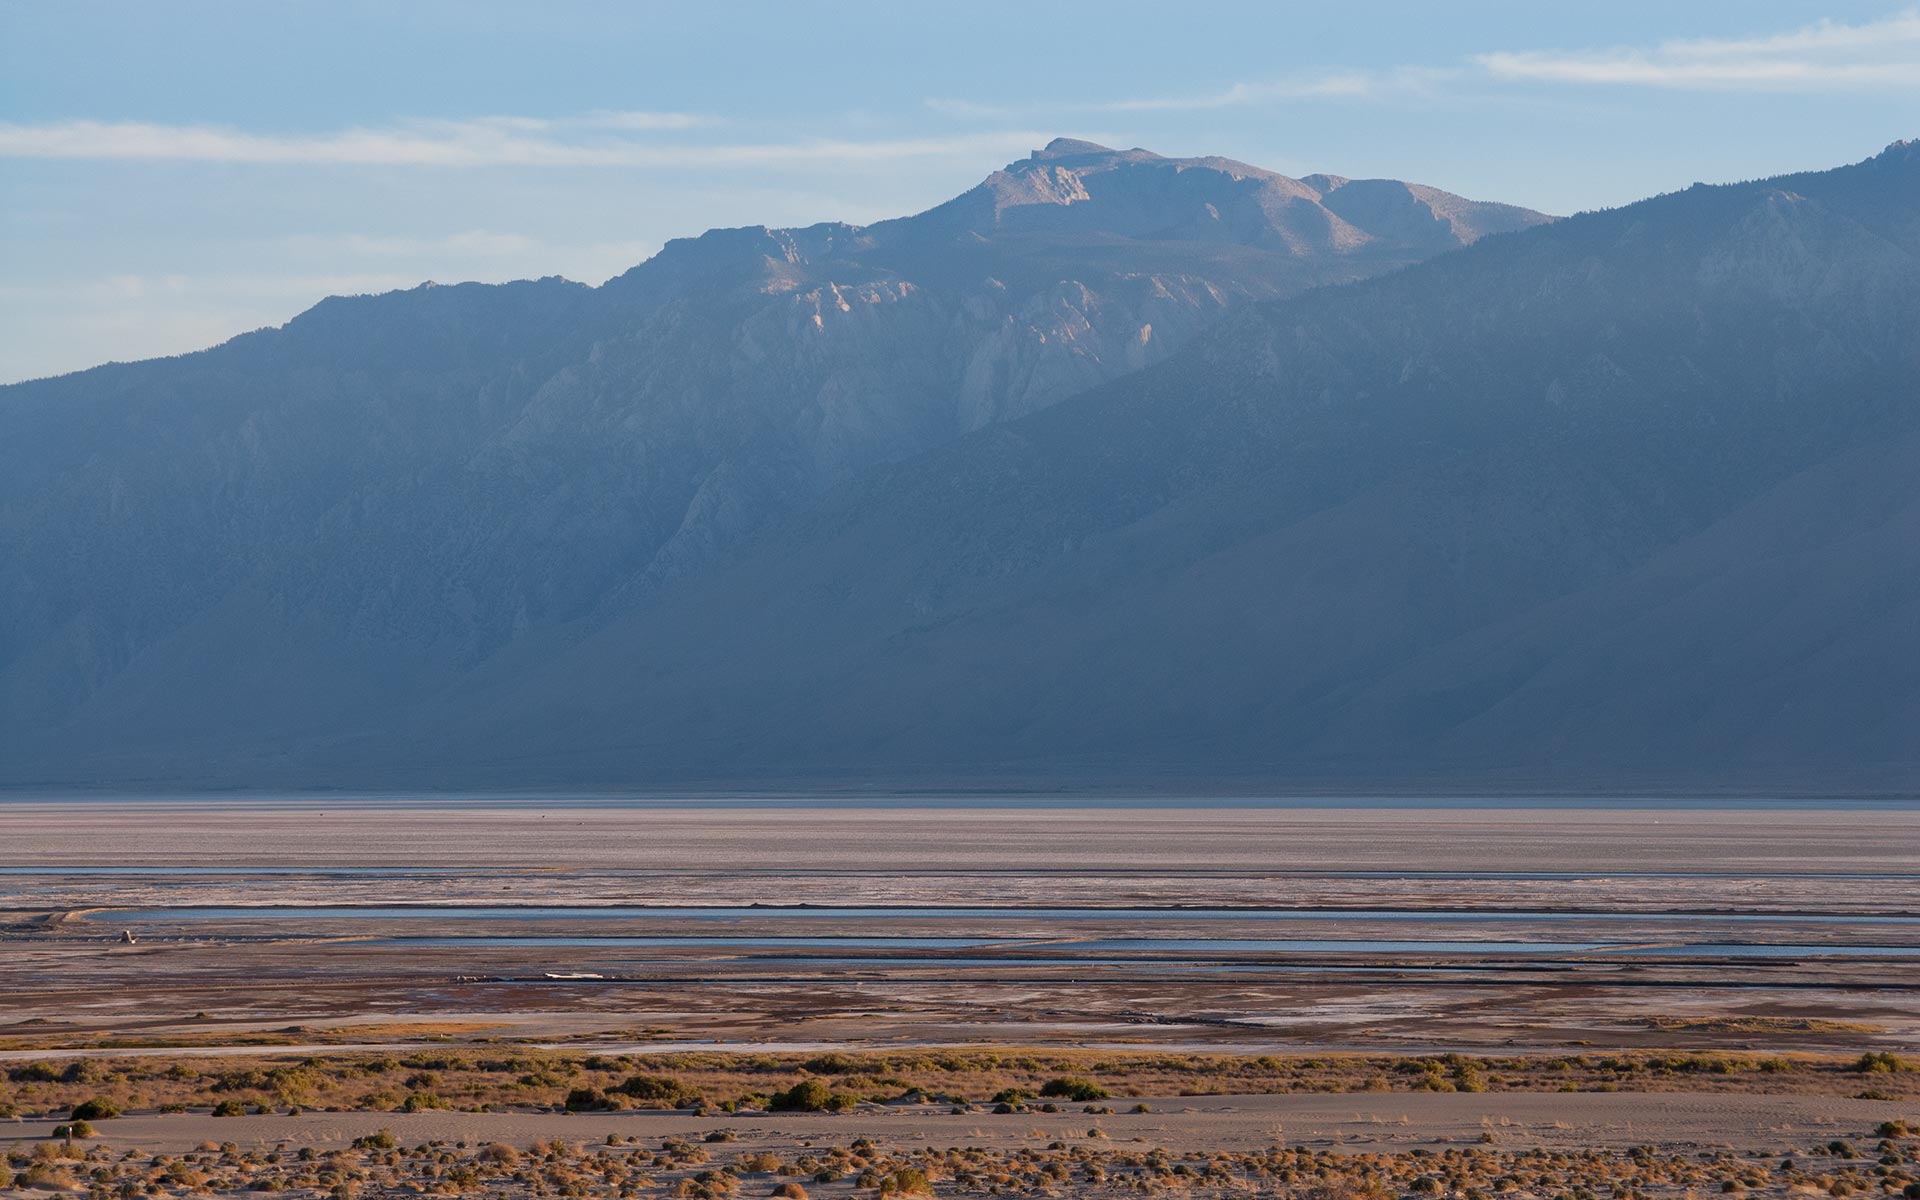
x: 1378, y: 997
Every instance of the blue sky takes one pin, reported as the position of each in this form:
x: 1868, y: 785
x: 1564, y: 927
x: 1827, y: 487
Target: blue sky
x: 174, y: 173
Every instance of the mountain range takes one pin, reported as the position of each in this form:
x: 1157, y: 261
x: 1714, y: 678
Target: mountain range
x: 1115, y: 469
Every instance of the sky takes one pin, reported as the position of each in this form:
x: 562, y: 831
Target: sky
x: 175, y: 172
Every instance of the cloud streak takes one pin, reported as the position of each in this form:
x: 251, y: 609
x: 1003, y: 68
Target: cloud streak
x: 480, y: 254
x: 226, y: 287
x: 1330, y: 85
x: 1335, y: 85
x: 1827, y: 56
x: 471, y: 242
x: 594, y: 140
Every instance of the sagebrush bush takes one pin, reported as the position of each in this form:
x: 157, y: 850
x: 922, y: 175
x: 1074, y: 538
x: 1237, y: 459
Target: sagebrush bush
x: 810, y: 1095
x: 1072, y: 1087
x: 658, y: 1091
x: 907, y: 1181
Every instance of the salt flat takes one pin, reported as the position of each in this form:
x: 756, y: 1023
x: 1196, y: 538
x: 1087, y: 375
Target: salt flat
x: 948, y: 837
x: 1420, y: 933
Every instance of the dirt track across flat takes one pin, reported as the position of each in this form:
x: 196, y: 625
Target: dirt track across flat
x: 1356, y: 1121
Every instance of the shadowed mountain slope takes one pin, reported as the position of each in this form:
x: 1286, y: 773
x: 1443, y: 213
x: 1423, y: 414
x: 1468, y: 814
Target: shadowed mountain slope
x: 1633, y: 496
x: 309, y: 530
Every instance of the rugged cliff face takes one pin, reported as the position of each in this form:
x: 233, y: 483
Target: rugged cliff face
x: 277, y: 538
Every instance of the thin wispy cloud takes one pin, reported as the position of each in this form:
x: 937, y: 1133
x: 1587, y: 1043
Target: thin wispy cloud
x: 482, y: 254
x: 591, y: 141
x: 954, y: 106
x: 481, y: 242
x: 639, y: 121
x: 1826, y: 56
x: 128, y: 287
x: 1346, y: 84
